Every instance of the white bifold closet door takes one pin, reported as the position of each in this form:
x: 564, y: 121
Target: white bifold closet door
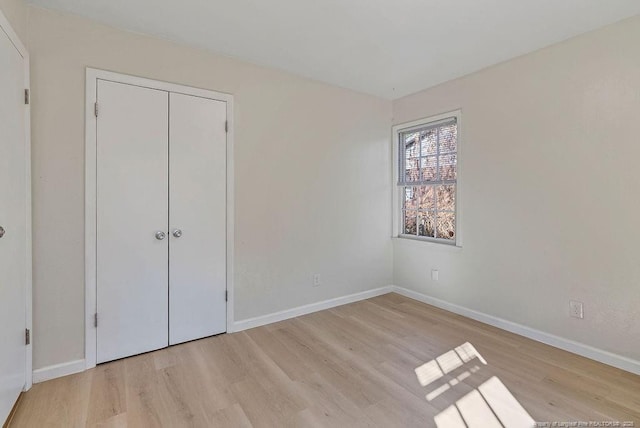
x: 161, y: 219
x: 132, y: 207
x: 197, y: 214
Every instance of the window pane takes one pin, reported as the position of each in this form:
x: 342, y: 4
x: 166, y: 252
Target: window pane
x: 426, y: 198
x: 448, y: 167
x: 426, y: 223
x: 410, y: 222
x: 446, y: 226
x: 428, y: 167
x: 412, y: 172
x: 429, y: 142
x: 448, y: 138
x: 446, y: 197
x: 411, y: 145
x: 410, y: 198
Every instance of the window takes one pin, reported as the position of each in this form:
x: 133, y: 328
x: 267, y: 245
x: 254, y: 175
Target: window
x: 428, y: 179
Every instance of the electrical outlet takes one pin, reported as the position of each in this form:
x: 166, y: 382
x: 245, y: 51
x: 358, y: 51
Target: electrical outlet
x: 434, y: 274
x: 316, y: 279
x: 576, y: 309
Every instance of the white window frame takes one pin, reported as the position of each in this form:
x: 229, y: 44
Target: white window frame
x: 397, y: 130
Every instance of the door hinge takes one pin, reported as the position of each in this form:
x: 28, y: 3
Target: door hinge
x: 226, y: 126
x: 95, y: 319
x: 26, y: 96
x: 27, y: 336
x: 95, y: 109
x: 226, y: 296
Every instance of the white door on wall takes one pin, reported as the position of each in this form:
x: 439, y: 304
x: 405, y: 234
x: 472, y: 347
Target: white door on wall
x: 13, y: 220
x: 197, y: 217
x: 161, y: 218
x: 132, y: 220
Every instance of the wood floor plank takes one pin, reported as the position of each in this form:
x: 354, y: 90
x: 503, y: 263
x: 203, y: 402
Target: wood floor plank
x: 388, y: 361
x: 108, y: 393
x: 232, y: 416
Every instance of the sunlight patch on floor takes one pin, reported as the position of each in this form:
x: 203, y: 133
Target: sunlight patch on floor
x: 489, y: 405
x: 450, y: 418
x: 476, y: 412
x: 428, y: 373
x: 504, y: 404
x: 449, y: 361
x: 433, y: 370
x: 433, y: 394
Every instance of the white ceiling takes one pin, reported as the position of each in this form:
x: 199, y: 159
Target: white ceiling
x: 389, y: 48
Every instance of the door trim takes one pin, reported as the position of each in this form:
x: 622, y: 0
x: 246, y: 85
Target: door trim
x: 5, y: 26
x: 92, y: 77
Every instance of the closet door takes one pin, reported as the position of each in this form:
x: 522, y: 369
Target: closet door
x: 197, y: 219
x: 13, y: 220
x: 132, y: 220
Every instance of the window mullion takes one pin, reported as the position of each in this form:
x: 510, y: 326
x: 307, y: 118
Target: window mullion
x: 415, y: 194
x: 402, y: 155
x: 438, y: 155
x: 435, y: 189
x: 418, y: 212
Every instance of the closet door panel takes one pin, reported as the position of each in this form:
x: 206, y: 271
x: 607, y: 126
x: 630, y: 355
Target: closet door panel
x: 132, y: 206
x: 197, y: 183
x: 13, y: 220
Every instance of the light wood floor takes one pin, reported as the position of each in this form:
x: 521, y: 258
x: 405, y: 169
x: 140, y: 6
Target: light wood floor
x: 350, y: 366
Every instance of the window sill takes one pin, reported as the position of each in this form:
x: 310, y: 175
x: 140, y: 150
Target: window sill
x: 418, y: 240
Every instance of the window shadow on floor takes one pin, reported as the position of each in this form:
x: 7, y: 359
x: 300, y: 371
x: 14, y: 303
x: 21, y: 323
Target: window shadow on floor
x: 459, y: 383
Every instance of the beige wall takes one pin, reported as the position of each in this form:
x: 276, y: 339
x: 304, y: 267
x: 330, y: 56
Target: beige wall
x: 16, y: 13
x: 311, y: 173
x: 551, y: 178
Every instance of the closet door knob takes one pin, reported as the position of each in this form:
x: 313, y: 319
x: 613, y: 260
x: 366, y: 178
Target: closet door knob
x: 160, y: 235
x: 1, y: 231
x: 177, y: 233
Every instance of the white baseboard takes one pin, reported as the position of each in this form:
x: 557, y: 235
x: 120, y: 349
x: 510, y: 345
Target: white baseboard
x: 307, y: 309
x: 600, y: 355
x: 58, y: 370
